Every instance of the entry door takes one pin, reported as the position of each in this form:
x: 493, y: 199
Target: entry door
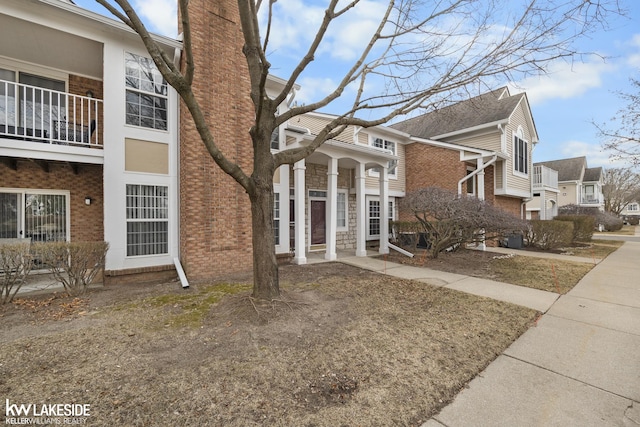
x: 318, y: 222
x: 9, y: 203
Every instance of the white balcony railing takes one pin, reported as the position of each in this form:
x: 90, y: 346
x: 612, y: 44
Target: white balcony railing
x: 544, y: 177
x: 32, y: 113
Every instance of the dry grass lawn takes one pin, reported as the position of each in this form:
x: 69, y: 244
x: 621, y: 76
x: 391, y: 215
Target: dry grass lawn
x: 344, y: 347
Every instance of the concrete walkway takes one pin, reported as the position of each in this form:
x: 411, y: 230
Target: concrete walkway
x: 579, y: 366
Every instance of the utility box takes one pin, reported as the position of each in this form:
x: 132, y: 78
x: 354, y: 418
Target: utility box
x: 515, y: 241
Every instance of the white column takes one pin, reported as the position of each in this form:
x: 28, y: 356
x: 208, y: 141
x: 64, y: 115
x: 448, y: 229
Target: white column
x: 299, y: 203
x: 384, y: 210
x: 361, y: 212
x: 480, y: 179
x: 332, y: 209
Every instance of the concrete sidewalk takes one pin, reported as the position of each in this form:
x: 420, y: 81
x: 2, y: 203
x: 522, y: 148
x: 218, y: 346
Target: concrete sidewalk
x: 528, y: 297
x: 580, y: 366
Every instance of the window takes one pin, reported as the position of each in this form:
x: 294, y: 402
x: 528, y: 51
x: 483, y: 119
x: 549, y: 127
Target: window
x: 373, y: 217
x: 276, y: 217
x: 342, y: 210
x: 275, y: 136
x: 38, y: 101
x: 147, y: 220
x: 386, y: 145
x: 147, y: 93
x: 471, y: 182
x: 520, y: 155
x: 41, y: 217
x: 633, y: 207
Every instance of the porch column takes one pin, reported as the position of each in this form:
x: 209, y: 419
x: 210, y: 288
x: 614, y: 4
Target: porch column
x: 384, y: 210
x: 299, y: 203
x: 332, y: 209
x: 361, y: 212
x: 480, y: 180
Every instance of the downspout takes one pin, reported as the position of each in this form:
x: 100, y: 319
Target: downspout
x: 475, y: 172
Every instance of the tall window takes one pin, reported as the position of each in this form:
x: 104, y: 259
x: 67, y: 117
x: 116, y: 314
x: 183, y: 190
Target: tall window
x: 342, y: 210
x: 386, y: 145
x: 520, y: 155
x: 373, y: 217
x: 147, y: 93
x: 276, y: 217
x: 147, y: 220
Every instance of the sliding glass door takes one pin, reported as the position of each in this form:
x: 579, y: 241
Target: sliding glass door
x: 41, y: 217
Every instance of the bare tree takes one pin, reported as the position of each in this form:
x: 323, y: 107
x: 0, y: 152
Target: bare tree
x: 420, y: 55
x: 620, y: 187
x: 622, y: 134
x: 449, y: 220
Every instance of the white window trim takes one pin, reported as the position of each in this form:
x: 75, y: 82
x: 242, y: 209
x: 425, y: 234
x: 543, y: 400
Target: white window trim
x: 23, y: 191
x: 167, y: 220
x: 346, y: 211
x: 471, y: 169
x: 136, y: 90
x: 374, y: 173
x: 392, y: 215
x: 519, y: 135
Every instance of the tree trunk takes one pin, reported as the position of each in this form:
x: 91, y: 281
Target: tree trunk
x: 265, y: 266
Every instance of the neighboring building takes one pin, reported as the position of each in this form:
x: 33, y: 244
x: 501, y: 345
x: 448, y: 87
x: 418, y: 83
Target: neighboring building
x: 577, y: 183
x: 631, y: 213
x: 94, y: 146
x: 545, y: 193
x: 481, y: 146
x: 88, y: 136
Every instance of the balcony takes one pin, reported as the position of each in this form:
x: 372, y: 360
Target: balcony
x: 544, y: 177
x: 589, y: 199
x: 35, y: 114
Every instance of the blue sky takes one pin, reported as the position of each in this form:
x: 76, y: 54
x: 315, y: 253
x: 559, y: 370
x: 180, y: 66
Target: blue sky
x: 564, y: 102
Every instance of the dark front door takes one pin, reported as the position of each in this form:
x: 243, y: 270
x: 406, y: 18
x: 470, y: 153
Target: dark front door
x: 318, y: 224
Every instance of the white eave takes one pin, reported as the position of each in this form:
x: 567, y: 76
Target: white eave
x: 108, y: 22
x: 472, y: 129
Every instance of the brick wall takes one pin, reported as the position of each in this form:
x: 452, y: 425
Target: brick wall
x: 509, y: 204
x: 80, y: 86
x: 433, y: 166
x: 86, y: 221
x: 215, y: 219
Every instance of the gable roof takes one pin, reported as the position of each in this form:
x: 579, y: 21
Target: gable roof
x: 568, y: 169
x: 592, y: 174
x: 489, y: 108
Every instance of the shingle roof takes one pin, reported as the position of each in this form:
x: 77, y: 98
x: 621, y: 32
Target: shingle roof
x: 592, y: 174
x: 486, y: 108
x: 568, y: 169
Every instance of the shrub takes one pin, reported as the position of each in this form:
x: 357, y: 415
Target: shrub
x: 583, y: 226
x: 547, y: 235
x: 448, y: 221
x: 609, y: 221
x: 15, y: 265
x: 74, y: 264
x: 405, y: 233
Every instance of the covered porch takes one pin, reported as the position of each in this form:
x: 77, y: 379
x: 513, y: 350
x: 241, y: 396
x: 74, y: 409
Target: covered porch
x: 333, y: 206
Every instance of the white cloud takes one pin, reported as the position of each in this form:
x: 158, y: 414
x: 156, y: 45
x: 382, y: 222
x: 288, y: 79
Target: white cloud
x: 594, y: 153
x: 634, y: 59
x: 565, y: 80
x: 159, y: 15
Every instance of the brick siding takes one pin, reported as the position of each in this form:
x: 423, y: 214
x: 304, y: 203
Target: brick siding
x: 86, y: 220
x: 215, y: 219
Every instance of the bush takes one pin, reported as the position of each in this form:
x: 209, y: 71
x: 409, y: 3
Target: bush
x: 74, y: 264
x: 15, y: 265
x: 583, y: 226
x: 405, y: 233
x: 609, y: 221
x: 547, y: 235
